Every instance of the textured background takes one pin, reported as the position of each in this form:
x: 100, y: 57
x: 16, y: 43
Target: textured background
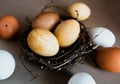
x: 104, y: 13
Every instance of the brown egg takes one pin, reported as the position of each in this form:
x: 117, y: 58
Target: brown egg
x: 47, y: 20
x: 109, y: 59
x: 8, y: 27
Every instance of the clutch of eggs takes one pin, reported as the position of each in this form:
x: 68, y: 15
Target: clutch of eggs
x: 46, y: 43
x: 65, y: 32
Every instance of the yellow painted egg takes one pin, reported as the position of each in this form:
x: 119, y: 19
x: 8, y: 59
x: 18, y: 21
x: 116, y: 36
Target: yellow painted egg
x: 43, y: 42
x: 67, y: 32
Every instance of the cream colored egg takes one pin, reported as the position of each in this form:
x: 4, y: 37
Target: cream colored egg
x: 67, y: 32
x: 43, y: 42
x: 82, y: 9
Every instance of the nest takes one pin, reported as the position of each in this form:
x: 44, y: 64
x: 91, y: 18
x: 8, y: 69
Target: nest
x: 66, y: 57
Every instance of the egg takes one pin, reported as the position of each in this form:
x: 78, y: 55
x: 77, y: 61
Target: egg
x: 109, y: 59
x: 67, y: 32
x: 79, y: 10
x: 81, y: 78
x: 47, y: 20
x: 9, y: 27
x: 43, y: 42
x: 102, y: 36
x: 7, y: 64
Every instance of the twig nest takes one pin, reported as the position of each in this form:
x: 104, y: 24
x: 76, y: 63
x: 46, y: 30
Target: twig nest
x: 60, y: 48
x: 42, y: 42
x: 82, y: 9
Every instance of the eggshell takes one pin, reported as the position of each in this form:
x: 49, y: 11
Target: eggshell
x: 47, y: 20
x: 43, y: 42
x: 81, y: 78
x: 9, y: 27
x: 67, y: 32
x: 82, y: 9
x: 102, y: 36
x: 109, y: 59
x: 7, y: 64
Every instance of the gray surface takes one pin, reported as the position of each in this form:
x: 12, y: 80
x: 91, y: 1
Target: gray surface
x: 104, y: 12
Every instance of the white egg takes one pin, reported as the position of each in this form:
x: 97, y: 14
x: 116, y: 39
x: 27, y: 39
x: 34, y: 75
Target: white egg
x: 7, y: 64
x: 102, y: 36
x: 81, y: 78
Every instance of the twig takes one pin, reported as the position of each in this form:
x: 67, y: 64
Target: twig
x: 47, y: 6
